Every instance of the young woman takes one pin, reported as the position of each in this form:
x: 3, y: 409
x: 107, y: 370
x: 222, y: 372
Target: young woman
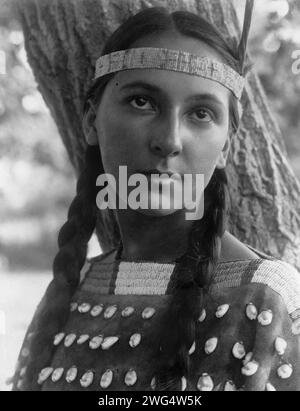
x: 181, y: 304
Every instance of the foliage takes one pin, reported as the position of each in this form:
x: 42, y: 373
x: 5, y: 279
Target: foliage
x: 36, y: 180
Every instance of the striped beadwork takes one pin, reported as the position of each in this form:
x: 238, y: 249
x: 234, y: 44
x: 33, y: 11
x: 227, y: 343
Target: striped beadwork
x: 174, y: 60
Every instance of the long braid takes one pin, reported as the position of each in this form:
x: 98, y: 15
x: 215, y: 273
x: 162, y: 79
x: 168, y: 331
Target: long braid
x: 196, y: 272
x: 72, y: 241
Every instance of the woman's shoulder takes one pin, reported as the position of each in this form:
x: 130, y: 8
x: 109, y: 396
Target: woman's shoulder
x: 263, y: 270
x: 232, y: 249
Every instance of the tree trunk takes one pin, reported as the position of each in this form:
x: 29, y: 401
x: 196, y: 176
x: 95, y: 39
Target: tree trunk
x: 63, y: 40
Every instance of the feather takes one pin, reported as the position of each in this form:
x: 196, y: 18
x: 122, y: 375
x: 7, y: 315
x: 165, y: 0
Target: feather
x: 241, y: 52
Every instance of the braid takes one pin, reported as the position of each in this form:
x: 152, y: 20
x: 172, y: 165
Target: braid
x: 195, y: 273
x: 72, y: 241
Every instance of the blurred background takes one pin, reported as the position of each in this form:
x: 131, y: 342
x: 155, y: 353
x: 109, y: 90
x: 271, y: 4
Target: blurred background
x: 37, y: 182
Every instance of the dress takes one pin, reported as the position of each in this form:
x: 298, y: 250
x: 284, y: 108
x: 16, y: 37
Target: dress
x: 247, y: 336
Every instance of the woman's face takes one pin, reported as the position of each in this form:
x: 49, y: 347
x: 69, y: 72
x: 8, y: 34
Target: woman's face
x: 157, y: 119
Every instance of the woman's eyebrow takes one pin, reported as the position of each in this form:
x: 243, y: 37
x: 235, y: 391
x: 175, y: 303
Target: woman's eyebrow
x: 206, y: 97
x: 194, y: 98
x: 141, y: 84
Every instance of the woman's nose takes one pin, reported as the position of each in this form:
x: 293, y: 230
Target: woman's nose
x: 166, y: 139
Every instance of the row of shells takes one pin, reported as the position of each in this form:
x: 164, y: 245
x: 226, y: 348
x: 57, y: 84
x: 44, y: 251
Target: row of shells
x: 249, y: 368
x: 238, y: 349
x: 204, y: 383
x: 95, y: 342
x: 87, y: 378
x: 110, y: 310
x: 264, y: 318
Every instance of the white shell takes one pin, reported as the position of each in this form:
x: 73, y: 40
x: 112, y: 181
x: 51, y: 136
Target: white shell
x: 106, y: 379
x: 202, y: 316
x: 248, y: 357
x: 44, y: 374
x: 127, y: 311
x: 251, y: 311
x: 69, y: 339
x: 82, y: 338
x: 96, y: 341
x: 270, y: 387
x: 250, y: 368
x: 30, y: 335
x: 96, y: 310
x: 84, y: 308
x: 210, y: 345
x: 23, y: 371
x: 229, y: 386
x: 87, y: 379
x: 25, y: 352
x: 130, y: 378
x: 280, y: 345
x: 265, y: 317
x: 205, y: 383
x: 296, y: 327
x: 183, y: 383
x: 192, y: 349
x: 135, y: 339
x: 57, y: 374
x: 71, y: 374
x: 285, y: 371
x: 238, y: 350
x: 222, y: 310
x: 109, y: 342
x: 153, y: 383
x: 110, y: 311
x: 58, y: 338
x: 148, y: 312
x: 73, y: 306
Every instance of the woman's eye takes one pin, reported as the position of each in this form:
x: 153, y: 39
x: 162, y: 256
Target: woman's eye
x: 140, y: 102
x: 203, y: 115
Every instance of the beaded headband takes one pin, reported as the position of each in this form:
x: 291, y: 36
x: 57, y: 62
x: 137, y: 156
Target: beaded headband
x: 174, y: 60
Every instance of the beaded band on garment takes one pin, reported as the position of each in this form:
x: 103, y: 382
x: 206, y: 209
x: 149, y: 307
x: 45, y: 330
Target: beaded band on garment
x: 174, y: 60
x: 152, y: 278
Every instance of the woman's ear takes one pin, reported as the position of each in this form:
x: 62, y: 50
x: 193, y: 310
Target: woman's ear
x: 222, y: 159
x: 88, y: 125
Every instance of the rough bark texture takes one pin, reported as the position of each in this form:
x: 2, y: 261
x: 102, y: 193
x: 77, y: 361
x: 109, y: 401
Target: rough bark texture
x: 63, y: 40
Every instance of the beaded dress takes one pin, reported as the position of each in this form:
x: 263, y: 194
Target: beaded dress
x: 247, y: 335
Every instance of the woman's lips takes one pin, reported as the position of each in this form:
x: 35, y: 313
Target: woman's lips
x: 161, y: 175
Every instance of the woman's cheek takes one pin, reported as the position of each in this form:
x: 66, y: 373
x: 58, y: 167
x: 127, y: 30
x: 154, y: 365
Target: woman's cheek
x: 119, y: 146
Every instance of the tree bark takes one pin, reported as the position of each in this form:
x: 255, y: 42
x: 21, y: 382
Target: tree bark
x: 63, y: 39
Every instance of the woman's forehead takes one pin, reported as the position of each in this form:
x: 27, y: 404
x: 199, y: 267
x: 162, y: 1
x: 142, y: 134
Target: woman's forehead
x: 175, y: 85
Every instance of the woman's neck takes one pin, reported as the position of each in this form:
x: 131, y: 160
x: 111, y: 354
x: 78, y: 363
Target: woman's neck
x: 153, y: 238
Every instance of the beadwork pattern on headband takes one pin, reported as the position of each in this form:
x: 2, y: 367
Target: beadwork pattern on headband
x: 174, y: 60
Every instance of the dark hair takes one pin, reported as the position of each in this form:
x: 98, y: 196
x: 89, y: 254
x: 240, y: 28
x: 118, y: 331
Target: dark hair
x: 197, y: 265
